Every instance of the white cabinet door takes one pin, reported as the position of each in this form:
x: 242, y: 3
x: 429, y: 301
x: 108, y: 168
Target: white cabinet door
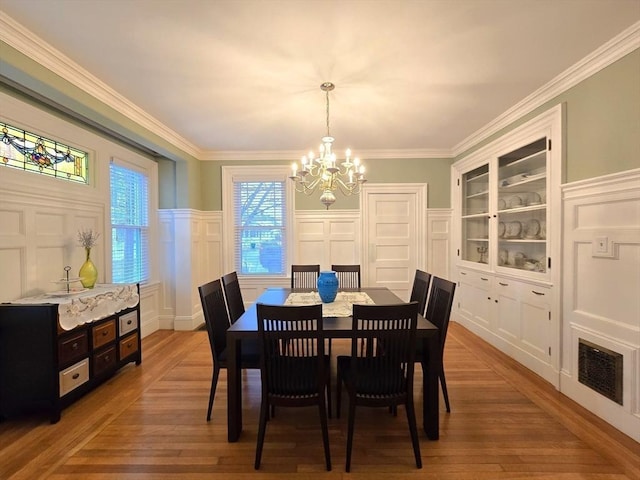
x: 474, y: 297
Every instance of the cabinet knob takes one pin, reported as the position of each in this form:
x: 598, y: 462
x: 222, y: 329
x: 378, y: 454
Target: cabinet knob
x: 74, y: 346
x: 76, y: 376
x: 504, y: 284
x: 537, y: 293
x: 484, y: 279
x: 129, y: 322
x: 106, y: 358
x: 105, y: 333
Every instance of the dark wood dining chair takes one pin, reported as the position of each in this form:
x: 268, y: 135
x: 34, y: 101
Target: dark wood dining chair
x: 216, y: 320
x: 305, y: 276
x: 294, y: 368
x: 233, y: 295
x: 379, y: 372
x: 420, y: 290
x: 348, y: 276
x: 438, y: 312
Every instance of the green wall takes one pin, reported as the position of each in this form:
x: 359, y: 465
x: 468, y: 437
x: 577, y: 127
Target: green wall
x: 602, y: 132
x: 20, y: 70
x: 435, y: 172
x: 601, y: 124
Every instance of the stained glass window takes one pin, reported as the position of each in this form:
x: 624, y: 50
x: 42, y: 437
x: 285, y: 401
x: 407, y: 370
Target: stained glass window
x: 35, y: 153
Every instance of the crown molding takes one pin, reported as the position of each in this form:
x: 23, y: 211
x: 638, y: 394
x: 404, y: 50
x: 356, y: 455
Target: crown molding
x: 29, y: 44
x: 621, y: 45
x: 294, y: 155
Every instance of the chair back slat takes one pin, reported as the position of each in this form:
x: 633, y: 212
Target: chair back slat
x: 384, y: 366
x: 420, y: 289
x: 439, y: 306
x: 233, y: 294
x: 348, y: 276
x: 216, y: 318
x: 305, y: 276
x: 292, y: 350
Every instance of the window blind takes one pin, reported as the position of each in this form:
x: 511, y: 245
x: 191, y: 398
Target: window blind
x: 129, y: 225
x: 260, y: 227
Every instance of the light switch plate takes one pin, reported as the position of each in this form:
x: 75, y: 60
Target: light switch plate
x: 601, y: 246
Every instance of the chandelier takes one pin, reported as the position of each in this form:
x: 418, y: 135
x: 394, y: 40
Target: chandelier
x: 323, y: 172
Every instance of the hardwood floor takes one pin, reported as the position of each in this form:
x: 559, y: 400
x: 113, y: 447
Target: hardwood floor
x: 148, y: 422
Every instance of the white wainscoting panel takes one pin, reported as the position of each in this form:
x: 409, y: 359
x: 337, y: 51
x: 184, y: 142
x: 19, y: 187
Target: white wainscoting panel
x: 327, y: 237
x: 191, y: 244
x: 439, y: 241
x: 601, y: 285
x: 39, y: 238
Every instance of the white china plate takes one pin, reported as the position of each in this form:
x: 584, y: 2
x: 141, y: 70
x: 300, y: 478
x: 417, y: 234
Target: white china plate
x: 532, y: 228
x: 502, y: 228
x: 502, y: 204
x: 514, y: 229
x: 515, y: 202
x: 64, y: 293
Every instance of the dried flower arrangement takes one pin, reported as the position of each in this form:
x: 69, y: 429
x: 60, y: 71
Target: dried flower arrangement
x: 88, y: 238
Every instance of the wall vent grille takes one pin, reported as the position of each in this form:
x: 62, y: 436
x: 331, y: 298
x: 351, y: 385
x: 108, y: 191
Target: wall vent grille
x: 600, y: 369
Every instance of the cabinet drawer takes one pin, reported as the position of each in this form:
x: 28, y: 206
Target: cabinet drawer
x: 73, y: 347
x: 128, y: 346
x: 104, y: 361
x: 74, y: 376
x: 104, y: 333
x: 536, y: 295
x: 477, y: 279
x: 128, y: 322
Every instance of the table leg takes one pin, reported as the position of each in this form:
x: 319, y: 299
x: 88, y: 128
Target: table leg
x: 430, y: 393
x: 234, y: 390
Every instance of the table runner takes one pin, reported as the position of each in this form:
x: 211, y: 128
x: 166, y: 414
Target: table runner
x: 89, y: 305
x: 341, y: 307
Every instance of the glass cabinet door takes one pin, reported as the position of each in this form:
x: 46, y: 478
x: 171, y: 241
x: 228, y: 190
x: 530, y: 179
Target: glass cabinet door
x: 475, y: 215
x: 522, y: 208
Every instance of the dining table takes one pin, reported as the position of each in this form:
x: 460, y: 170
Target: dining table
x: 339, y: 326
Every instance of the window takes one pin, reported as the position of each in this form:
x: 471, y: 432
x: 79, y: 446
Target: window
x: 258, y: 203
x: 33, y: 153
x: 129, y: 224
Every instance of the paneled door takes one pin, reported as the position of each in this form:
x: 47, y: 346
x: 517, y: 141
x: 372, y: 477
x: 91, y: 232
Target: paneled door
x: 393, y: 235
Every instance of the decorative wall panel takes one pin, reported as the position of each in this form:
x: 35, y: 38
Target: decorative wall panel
x: 601, y: 282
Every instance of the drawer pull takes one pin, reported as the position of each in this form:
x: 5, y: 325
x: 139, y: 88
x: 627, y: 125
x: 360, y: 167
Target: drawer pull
x: 463, y: 273
x: 537, y: 293
x: 129, y: 345
x: 106, y: 358
x: 74, y: 346
x: 76, y: 376
x: 484, y: 279
x: 129, y: 322
x: 105, y: 333
x: 504, y: 284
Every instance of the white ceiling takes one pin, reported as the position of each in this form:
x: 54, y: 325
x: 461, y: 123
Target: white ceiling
x: 245, y: 75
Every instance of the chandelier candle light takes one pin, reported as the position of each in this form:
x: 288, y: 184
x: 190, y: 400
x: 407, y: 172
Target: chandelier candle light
x: 323, y: 172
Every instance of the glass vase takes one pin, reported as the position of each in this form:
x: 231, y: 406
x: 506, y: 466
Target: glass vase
x: 328, y: 286
x: 88, y: 273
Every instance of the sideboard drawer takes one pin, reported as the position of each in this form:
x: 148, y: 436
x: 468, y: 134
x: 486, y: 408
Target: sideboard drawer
x: 128, y: 322
x: 128, y: 346
x: 73, y: 347
x: 104, y: 361
x: 104, y: 333
x: 74, y: 376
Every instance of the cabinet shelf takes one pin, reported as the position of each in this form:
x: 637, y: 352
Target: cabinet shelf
x: 478, y: 239
x: 482, y: 176
x: 476, y: 215
x: 522, y: 240
x: 479, y: 194
x: 525, y: 179
x: 530, y: 208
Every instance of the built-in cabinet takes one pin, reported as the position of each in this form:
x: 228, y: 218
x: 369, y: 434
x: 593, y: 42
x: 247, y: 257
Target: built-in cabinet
x: 506, y: 200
